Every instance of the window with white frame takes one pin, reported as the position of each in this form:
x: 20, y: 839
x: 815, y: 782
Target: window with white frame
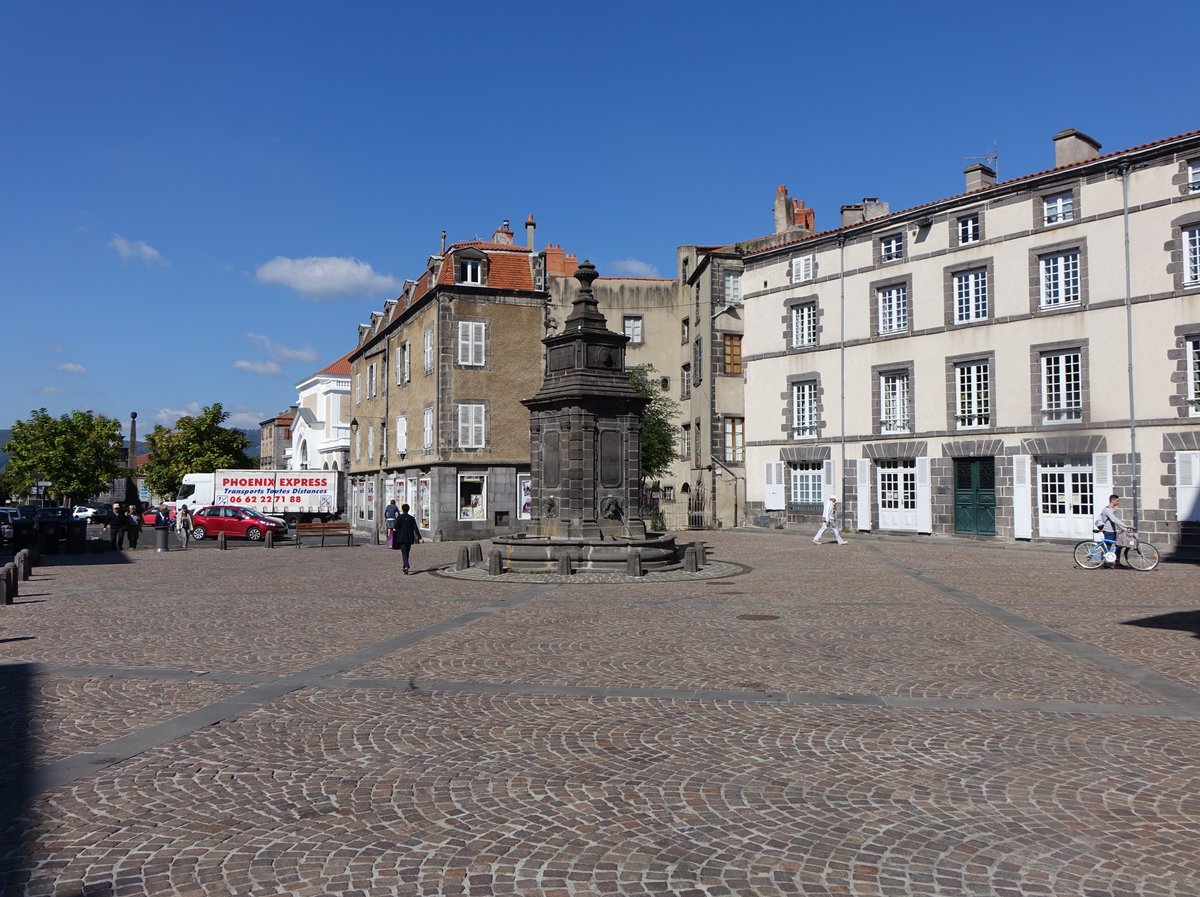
x: 685, y: 381
x: 970, y: 296
x: 685, y: 331
x: 470, y: 426
x: 733, y: 287
x: 1193, y: 363
x: 804, y: 325
x: 804, y: 409
x: 974, y: 381
x: 358, y: 446
x: 968, y: 229
x: 1060, y: 279
x: 372, y: 388
x: 806, y: 483
x: 802, y: 269
x: 894, y: 402
x: 1193, y: 171
x: 402, y: 434
x: 403, y: 364
x: 472, y: 496
x: 428, y: 349
x: 1062, y: 387
x: 470, y: 343
x: 633, y: 328
x: 891, y: 248
x: 893, y: 308
x: 668, y: 493
x: 735, y: 440
x: 685, y: 442
x: 427, y: 429
x: 470, y: 271
x: 358, y: 388
x: 1058, y: 208
x: 1191, y: 255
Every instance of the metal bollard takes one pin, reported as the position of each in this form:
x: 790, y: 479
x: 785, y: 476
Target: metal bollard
x: 162, y: 540
x: 221, y: 546
x: 464, y: 559
x: 269, y: 541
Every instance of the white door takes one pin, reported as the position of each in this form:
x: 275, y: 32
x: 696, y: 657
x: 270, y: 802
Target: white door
x: 1065, y: 499
x: 897, y: 485
x: 773, y: 499
x: 1187, y: 486
x: 863, y: 493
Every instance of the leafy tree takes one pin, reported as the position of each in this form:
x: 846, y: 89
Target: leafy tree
x: 658, y: 422
x: 197, y: 444
x: 79, y: 454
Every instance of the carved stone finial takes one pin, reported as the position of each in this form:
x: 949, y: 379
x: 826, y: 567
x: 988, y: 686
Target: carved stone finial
x: 585, y: 310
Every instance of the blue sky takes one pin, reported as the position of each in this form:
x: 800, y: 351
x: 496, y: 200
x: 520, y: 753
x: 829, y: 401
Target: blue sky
x: 202, y: 201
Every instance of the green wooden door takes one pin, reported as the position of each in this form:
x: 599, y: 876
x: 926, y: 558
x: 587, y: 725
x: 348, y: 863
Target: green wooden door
x: 975, y: 496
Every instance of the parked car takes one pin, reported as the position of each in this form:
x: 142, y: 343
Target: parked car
x: 279, y: 521
x: 239, y: 523
x: 90, y: 513
x: 6, y: 526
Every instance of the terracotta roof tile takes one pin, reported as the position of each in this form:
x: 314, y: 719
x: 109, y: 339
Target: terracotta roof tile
x: 339, y: 368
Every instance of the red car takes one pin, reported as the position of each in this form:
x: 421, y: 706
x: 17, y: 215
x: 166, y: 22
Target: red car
x: 234, y: 522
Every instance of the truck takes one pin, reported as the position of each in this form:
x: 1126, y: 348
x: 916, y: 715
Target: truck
x: 298, y: 496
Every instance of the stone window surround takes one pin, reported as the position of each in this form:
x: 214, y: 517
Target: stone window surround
x: 1181, y: 179
x: 724, y: 341
x: 950, y: 300
x: 1039, y: 206
x: 877, y: 373
x: 1035, y: 381
x: 789, y: 408
x: 789, y: 307
x: 875, y: 286
x: 877, y: 247
x: 953, y: 362
x: 978, y: 212
x: 1175, y: 250
x: 1180, y: 353
x: 1036, y: 254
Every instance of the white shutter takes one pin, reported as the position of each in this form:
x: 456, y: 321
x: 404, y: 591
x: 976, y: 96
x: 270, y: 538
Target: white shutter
x: 827, y: 488
x: 402, y: 434
x: 1102, y: 481
x: 1022, y: 498
x: 1187, y: 486
x: 464, y: 425
x: 773, y: 499
x: 924, y: 497
x: 477, y: 434
x: 464, y: 342
x: 863, y: 494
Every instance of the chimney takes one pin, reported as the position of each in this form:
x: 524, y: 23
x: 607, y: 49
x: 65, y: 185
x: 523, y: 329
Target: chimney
x: 1071, y: 146
x: 873, y: 208
x: 443, y: 243
x: 554, y: 260
x: 529, y: 228
x: 782, y: 209
x: 852, y: 214
x: 803, y: 218
x: 979, y: 177
x: 503, y: 234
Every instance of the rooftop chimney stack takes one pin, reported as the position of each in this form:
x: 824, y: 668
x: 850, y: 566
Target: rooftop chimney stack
x: 1071, y: 146
x: 979, y: 177
x: 529, y: 228
x: 873, y: 208
x: 503, y: 234
x: 443, y: 242
x: 783, y: 217
x: 852, y: 214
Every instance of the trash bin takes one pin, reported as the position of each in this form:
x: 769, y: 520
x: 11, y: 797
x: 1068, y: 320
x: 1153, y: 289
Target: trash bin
x: 76, y: 536
x: 162, y: 541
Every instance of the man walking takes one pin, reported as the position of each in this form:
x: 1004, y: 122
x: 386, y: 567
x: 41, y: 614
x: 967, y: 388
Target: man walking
x: 405, y: 534
x: 116, y: 527
x: 829, y: 521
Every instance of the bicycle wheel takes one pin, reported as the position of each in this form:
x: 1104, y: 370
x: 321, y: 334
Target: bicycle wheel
x: 1144, y: 557
x: 1089, y: 555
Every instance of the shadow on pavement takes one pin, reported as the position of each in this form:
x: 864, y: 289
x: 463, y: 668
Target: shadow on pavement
x: 16, y: 771
x: 1181, y: 621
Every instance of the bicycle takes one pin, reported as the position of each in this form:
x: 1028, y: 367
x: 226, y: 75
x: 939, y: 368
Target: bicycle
x: 1092, y: 554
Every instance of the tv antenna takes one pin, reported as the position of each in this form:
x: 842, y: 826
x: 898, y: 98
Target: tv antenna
x: 992, y: 158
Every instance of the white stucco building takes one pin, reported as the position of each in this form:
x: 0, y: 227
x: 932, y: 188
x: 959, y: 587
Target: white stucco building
x: 992, y: 364
x: 320, y: 432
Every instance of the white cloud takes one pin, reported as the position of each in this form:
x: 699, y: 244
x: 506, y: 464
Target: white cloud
x: 244, y: 419
x: 256, y: 367
x: 72, y: 368
x: 136, y: 249
x: 239, y: 417
x: 48, y: 390
x: 277, y: 352
x: 169, y: 416
x: 326, y: 277
x: 634, y: 268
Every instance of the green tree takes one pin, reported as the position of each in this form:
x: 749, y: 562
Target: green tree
x: 79, y: 454
x: 658, y: 422
x: 197, y: 444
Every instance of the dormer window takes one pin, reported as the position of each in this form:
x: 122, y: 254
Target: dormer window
x: 470, y: 271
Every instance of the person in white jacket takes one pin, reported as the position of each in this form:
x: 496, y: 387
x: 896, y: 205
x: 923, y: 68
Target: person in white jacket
x: 829, y: 521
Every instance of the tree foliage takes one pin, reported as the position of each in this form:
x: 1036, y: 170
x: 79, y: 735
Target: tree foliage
x: 79, y: 454
x: 197, y: 444
x: 658, y: 422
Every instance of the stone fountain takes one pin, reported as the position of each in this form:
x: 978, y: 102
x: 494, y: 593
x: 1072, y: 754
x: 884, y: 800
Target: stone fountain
x: 585, y: 428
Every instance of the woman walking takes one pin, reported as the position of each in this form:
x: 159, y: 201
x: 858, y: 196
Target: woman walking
x: 183, y: 525
x: 133, y: 527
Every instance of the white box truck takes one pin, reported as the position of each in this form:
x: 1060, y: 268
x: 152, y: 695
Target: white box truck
x: 298, y: 496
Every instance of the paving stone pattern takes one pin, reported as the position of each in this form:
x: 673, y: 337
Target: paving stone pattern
x: 888, y: 718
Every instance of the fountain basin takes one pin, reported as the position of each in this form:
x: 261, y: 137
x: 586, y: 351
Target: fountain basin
x: 531, y: 554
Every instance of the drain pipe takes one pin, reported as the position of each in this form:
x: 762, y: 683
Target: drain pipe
x: 841, y: 242
x: 732, y: 476
x: 1124, y: 170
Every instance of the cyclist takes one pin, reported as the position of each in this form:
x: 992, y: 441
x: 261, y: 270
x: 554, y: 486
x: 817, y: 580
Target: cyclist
x: 1108, y: 521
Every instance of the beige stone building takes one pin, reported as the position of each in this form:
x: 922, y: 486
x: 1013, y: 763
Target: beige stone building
x: 992, y: 364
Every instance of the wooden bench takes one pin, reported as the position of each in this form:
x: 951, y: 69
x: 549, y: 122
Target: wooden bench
x: 333, y: 528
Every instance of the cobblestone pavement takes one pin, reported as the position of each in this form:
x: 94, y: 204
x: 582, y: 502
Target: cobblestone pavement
x: 887, y: 718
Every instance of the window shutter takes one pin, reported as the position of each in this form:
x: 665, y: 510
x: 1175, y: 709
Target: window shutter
x: 924, y: 497
x: 827, y: 480
x: 477, y: 438
x: 1022, y: 498
x: 402, y: 434
x: 863, y: 494
x: 1187, y: 486
x: 464, y: 342
x: 1102, y: 480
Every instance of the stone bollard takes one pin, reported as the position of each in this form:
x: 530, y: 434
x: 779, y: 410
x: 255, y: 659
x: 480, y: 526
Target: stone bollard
x: 633, y: 564
x: 23, y: 564
x: 701, y: 553
x: 495, y: 563
x: 269, y: 540
x: 4, y: 599
x: 476, y: 551
x: 564, y: 565
x: 35, y: 556
x: 690, y: 564
x: 221, y: 543
x: 10, y: 577
x: 464, y: 559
